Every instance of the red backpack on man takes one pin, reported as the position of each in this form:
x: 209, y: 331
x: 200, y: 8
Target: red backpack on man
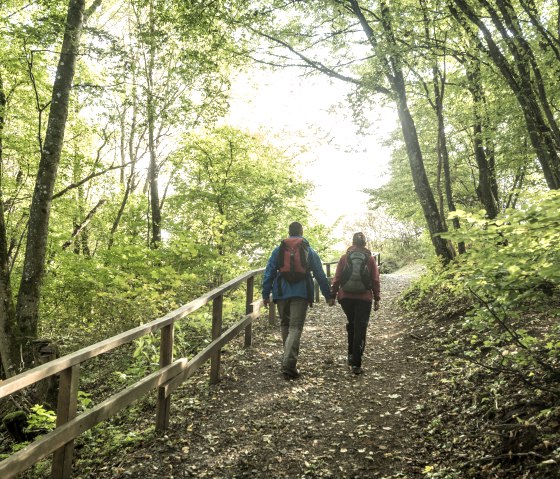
x: 293, y: 259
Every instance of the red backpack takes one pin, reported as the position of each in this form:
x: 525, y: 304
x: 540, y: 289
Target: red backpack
x: 293, y: 259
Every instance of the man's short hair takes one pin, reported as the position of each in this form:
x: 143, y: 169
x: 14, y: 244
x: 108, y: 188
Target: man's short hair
x: 295, y: 229
x: 359, y: 239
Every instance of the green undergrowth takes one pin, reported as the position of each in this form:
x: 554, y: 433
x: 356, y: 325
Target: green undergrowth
x: 496, y: 411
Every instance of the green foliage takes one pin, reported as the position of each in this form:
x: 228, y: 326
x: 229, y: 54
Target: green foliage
x: 110, y: 438
x: 509, y: 279
x: 436, y: 294
x: 513, y: 259
x: 40, y: 420
x: 242, y: 193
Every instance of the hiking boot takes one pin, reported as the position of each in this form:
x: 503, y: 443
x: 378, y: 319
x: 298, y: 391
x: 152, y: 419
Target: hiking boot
x: 291, y: 374
x: 357, y: 370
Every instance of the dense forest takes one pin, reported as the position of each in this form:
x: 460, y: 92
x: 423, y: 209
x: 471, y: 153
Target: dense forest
x: 124, y: 193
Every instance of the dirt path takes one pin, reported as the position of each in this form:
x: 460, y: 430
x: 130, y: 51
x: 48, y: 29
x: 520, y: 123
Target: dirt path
x: 329, y: 423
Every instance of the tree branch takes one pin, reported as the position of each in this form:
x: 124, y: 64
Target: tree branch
x: 79, y: 228
x: 87, y: 178
x: 317, y: 65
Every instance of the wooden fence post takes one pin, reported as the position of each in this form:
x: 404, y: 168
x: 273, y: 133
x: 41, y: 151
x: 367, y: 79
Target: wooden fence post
x: 165, y: 358
x: 248, y: 310
x: 66, y: 411
x: 217, y: 308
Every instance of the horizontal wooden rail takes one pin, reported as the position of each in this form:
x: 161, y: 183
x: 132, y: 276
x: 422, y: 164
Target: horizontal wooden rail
x: 34, y: 375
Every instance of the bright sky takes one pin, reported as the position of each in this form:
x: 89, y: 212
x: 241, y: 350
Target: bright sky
x: 307, y: 111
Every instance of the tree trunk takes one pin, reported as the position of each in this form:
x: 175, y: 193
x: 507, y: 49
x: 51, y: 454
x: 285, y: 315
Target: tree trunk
x: 79, y: 228
x: 127, y: 143
x: 153, y: 171
x: 27, y: 309
x: 393, y: 71
x: 443, y: 153
x: 438, y: 82
x: 7, y: 310
x: 8, y: 347
x: 484, y: 188
x: 420, y: 179
x: 120, y: 213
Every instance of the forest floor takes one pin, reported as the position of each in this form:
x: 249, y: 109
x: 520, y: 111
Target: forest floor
x: 328, y: 423
x: 397, y: 420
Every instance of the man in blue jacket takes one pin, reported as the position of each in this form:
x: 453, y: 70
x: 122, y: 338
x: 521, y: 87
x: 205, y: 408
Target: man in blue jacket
x: 292, y: 291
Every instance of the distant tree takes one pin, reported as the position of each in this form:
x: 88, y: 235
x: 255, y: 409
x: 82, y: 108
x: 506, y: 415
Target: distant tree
x: 236, y: 192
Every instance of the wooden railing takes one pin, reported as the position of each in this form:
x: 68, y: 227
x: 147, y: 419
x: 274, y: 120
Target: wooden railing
x: 167, y: 378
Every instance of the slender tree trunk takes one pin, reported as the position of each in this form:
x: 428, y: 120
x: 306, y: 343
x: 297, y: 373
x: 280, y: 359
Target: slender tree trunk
x: 514, y: 193
x: 420, y: 179
x: 439, y: 189
x: 79, y: 228
x: 443, y: 153
x: 438, y: 82
x: 490, y: 150
x: 27, y: 309
x: 8, y: 348
x: 120, y: 213
x: 122, y: 144
x: 153, y: 170
x: 7, y: 310
x: 127, y: 144
x: 484, y: 188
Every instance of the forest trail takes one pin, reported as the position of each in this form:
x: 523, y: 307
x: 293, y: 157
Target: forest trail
x: 327, y: 424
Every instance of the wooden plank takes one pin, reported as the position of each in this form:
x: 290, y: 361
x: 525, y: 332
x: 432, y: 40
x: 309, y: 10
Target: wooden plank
x: 66, y: 411
x: 27, y: 378
x: 165, y: 358
x: 217, y: 317
x: 207, y: 352
x: 25, y: 458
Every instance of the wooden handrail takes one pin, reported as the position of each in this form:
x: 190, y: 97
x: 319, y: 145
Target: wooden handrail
x: 20, y: 381
x: 170, y: 376
x: 60, y: 441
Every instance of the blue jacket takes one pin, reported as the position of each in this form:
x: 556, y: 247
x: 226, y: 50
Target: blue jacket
x: 301, y: 289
